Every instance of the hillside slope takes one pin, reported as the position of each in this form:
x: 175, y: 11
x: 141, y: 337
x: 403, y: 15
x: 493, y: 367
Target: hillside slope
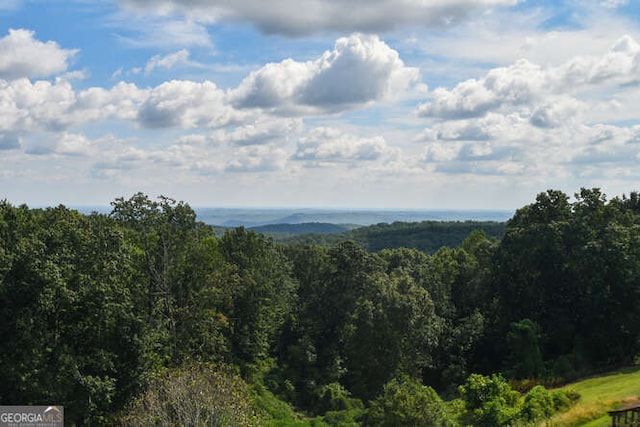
x: 427, y: 236
x: 600, y: 394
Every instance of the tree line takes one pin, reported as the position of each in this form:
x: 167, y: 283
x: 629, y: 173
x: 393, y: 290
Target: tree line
x: 117, y: 316
x: 426, y: 236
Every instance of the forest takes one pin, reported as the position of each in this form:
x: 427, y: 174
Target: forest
x: 145, y: 316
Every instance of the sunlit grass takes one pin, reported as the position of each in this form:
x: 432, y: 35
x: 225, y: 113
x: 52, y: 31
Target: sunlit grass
x: 598, y: 396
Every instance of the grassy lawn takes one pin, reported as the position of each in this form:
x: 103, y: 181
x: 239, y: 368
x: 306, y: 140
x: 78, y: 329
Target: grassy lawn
x: 599, y: 395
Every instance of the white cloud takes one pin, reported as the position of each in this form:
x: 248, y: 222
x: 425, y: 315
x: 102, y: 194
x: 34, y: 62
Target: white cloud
x: 122, y: 102
x: 21, y: 55
x: 168, y: 61
x: 299, y: 17
x: 360, y: 69
x: 558, y: 111
x: 263, y: 130
x: 533, y: 87
x: 257, y: 158
x: 620, y: 65
x: 185, y: 104
x: 483, y: 128
x: 517, y: 84
x: 26, y: 106
x: 503, y: 36
x: 330, y: 145
x: 71, y: 144
x: 62, y: 144
x: 145, y: 31
x: 55, y: 107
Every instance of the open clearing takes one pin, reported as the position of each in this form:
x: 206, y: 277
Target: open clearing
x: 601, y: 394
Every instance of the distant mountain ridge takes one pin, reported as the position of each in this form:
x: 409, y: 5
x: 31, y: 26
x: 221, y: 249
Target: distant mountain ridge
x: 256, y: 217
x: 302, y: 228
x: 427, y: 236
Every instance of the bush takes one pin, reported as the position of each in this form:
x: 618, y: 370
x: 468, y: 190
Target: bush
x: 538, y: 404
x: 194, y: 395
x: 489, y: 401
x: 334, y: 397
x: 405, y: 402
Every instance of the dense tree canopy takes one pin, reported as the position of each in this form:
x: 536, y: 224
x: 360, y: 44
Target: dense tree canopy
x: 97, y: 311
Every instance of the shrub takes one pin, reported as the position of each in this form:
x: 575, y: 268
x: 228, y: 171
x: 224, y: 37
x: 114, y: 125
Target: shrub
x: 489, y: 401
x: 406, y: 402
x: 198, y: 394
x: 538, y: 404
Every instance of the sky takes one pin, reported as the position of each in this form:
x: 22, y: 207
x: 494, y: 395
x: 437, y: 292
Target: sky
x: 425, y: 104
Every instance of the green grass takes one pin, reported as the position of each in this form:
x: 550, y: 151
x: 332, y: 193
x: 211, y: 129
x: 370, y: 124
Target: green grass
x: 598, y: 395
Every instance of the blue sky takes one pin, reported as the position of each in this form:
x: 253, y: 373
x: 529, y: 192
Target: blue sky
x: 318, y: 103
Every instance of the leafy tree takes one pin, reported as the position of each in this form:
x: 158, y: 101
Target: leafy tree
x: 68, y: 326
x: 186, y: 279
x: 262, y: 293
x: 194, y: 395
x: 489, y: 401
x: 524, y: 352
x: 393, y: 328
x: 406, y: 402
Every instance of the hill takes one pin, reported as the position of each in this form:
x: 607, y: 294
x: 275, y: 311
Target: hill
x: 600, y: 394
x: 294, y: 229
x: 427, y: 236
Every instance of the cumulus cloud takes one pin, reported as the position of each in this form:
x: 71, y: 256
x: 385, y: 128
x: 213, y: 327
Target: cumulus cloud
x: 186, y: 104
x: 26, y: 106
x: 331, y: 145
x: 71, y: 144
x: 557, y: 111
x: 257, y: 158
x: 121, y: 102
x: 300, y: 17
x: 360, y: 69
x: 483, y: 128
x: 517, y: 84
x: 527, y: 84
x: 607, y: 144
x: 261, y: 131
x: 620, y: 65
x: 545, y: 122
x: 21, y: 55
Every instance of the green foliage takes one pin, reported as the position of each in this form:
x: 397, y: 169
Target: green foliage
x: 539, y: 403
x: 489, y: 401
x: 334, y: 397
x: 184, y: 298
x: 426, y: 236
x: 262, y: 293
x: 192, y: 396
x: 573, y: 270
x: 524, y: 351
x: 339, y: 408
x: 67, y: 320
x: 96, y: 311
x: 406, y: 402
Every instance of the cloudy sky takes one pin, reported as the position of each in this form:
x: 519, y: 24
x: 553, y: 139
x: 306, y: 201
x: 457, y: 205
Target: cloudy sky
x: 318, y: 103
